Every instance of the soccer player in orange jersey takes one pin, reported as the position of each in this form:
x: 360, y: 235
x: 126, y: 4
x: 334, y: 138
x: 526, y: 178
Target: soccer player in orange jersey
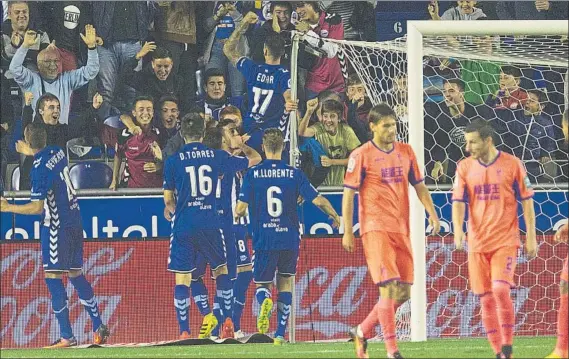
x: 562, y: 235
x: 381, y: 170
x: 492, y: 183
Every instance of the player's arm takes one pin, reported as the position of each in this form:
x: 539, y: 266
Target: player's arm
x: 347, y: 216
x: 170, y: 204
x: 427, y: 201
x: 252, y: 155
x: 230, y: 48
x: 116, y: 169
x: 241, y: 209
x: 529, y: 218
x: 303, y: 129
x: 326, y: 207
x: 129, y: 123
x: 458, y: 214
x: 31, y: 208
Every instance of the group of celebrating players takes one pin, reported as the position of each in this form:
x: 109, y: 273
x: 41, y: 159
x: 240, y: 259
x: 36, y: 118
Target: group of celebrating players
x: 211, y: 193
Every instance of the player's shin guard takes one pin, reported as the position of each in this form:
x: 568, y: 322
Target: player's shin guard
x: 370, y: 322
x: 505, y: 306
x: 87, y: 298
x: 240, y: 287
x: 386, y: 314
x: 490, y: 321
x: 563, y: 326
x: 59, y: 305
x: 225, y: 295
x: 201, y: 296
x: 261, y: 294
x: 182, y: 304
x: 283, y: 309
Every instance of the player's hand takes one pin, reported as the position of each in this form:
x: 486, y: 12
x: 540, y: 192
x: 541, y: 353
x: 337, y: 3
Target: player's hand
x: 325, y: 161
x: 291, y: 106
x: 562, y: 234
x: 251, y: 18
x: 135, y: 130
x: 542, y: 5
x: 299, y: 200
x: 156, y: 151
x: 459, y: 240
x: 436, y: 224
x: 312, y: 105
x: 97, y: 101
x: 531, y: 245
x: 90, y: 37
x: 28, y: 97
x: 148, y: 46
x: 29, y: 38
x: 167, y: 214
x: 4, y: 205
x: 438, y: 171
x: 348, y: 241
x: 113, y: 185
x: 336, y: 221
x: 303, y: 27
x: 230, y: 7
x: 150, y: 167
x: 23, y: 148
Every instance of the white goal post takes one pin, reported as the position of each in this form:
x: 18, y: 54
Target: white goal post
x: 415, y: 49
x: 415, y: 32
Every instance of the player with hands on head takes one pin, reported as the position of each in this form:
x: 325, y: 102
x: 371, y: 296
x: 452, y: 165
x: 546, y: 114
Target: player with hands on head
x: 492, y: 182
x: 381, y: 170
x: 270, y: 191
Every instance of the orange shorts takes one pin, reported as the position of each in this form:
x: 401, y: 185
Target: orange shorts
x: 564, y: 274
x: 389, y: 257
x: 487, y: 267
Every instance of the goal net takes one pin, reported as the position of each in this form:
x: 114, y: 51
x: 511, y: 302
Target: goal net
x: 519, y: 84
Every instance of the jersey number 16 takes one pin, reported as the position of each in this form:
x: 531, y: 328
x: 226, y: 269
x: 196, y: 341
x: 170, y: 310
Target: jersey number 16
x: 200, y: 180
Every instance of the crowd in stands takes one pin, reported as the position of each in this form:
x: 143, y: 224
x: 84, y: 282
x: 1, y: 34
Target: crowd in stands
x: 119, y: 76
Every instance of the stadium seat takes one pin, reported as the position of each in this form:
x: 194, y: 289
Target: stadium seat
x: 16, y: 179
x: 78, y: 149
x: 87, y: 175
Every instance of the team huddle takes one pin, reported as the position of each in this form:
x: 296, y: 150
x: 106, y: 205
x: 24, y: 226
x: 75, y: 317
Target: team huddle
x: 216, y: 199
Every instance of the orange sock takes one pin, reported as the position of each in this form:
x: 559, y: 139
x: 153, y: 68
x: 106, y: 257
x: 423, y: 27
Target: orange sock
x: 563, y: 326
x: 490, y: 321
x: 506, y: 315
x: 386, y: 314
x: 370, y: 322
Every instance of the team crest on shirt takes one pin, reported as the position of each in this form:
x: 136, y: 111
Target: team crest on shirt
x: 351, y: 165
x: 324, y: 33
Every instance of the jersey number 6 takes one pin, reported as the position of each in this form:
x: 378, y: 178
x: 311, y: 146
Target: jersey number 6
x: 274, y: 205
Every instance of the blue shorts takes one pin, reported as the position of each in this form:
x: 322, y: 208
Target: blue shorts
x: 61, y: 248
x: 237, y: 253
x: 267, y: 263
x: 185, y: 247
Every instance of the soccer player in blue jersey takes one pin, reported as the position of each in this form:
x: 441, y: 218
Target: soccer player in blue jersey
x: 225, y: 137
x: 191, y: 177
x: 268, y: 84
x: 272, y: 189
x: 61, y: 236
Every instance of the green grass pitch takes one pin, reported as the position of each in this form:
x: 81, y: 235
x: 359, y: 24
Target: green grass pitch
x: 537, y: 347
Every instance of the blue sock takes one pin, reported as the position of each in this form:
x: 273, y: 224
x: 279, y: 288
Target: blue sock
x: 218, y: 315
x: 182, y: 304
x: 225, y: 295
x: 87, y: 298
x: 261, y: 294
x: 201, y: 296
x: 240, y: 287
x: 283, y: 305
x: 59, y: 305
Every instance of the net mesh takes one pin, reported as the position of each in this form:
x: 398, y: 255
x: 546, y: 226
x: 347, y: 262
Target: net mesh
x: 519, y: 84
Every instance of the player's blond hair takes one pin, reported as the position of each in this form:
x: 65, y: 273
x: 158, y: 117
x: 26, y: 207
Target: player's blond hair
x: 273, y: 140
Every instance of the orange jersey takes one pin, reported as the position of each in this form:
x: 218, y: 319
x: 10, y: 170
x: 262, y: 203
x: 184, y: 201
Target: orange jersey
x: 492, y: 192
x: 382, y: 179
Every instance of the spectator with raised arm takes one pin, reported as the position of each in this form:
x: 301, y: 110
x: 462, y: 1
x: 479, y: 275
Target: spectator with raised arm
x: 358, y: 18
x: 359, y: 106
x: 337, y: 138
x: 227, y: 15
x: 465, y: 10
x: 328, y: 72
x: 280, y: 23
x: 50, y: 79
x: 144, y: 160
